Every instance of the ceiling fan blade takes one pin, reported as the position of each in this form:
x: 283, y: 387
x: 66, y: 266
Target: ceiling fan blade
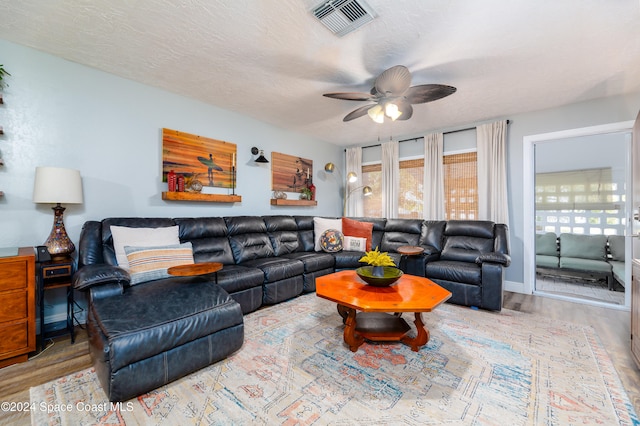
x: 351, y: 96
x: 393, y: 81
x: 406, y: 109
x: 356, y: 113
x: 428, y: 92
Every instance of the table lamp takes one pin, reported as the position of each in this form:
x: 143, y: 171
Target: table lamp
x: 55, y: 185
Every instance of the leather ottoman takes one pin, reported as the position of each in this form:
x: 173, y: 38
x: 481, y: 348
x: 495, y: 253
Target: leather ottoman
x: 156, y: 332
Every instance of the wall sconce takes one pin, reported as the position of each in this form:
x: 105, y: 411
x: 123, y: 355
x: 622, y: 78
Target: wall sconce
x: 54, y: 185
x: 351, y: 177
x: 261, y: 158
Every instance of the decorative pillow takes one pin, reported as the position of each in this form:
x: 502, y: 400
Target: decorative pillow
x: 141, y: 237
x: 151, y: 263
x: 320, y: 225
x: 355, y: 244
x: 331, y: 240
x: 354, y: 228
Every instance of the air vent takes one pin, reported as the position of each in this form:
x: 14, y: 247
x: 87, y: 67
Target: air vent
x: 344, y: 16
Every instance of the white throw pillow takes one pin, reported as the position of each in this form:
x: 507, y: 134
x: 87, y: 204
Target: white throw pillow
x: 354, y: 244
x: 141, y: 237
x: 320, y: 225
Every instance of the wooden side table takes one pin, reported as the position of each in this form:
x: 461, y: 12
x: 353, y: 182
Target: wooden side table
x: 50, y: 275
x: 405, y: 252
x: 194, y: 269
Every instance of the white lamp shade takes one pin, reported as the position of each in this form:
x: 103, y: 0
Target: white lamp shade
x: 57, y: 185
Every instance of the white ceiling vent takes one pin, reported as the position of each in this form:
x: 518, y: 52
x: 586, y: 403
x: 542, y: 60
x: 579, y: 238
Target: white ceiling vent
x: 344, y: 16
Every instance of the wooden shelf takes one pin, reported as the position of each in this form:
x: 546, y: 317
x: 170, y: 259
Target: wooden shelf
x: 198, y: 196
x: 281, y: 202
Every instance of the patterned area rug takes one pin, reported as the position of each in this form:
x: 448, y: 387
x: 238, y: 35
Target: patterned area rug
x: 479, y: 368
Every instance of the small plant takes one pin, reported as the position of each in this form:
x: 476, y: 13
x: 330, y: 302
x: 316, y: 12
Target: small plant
x: 377, y: 258
x: 305, y: 194
x: 3, y: 74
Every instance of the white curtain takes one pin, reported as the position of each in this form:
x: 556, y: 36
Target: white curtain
x: 390, y: 179
x: 353, y: 206
x: 433, y: 179
x: 492, y: 172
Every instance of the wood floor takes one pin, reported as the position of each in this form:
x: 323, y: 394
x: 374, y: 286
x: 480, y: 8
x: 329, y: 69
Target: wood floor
x: 613, y: 327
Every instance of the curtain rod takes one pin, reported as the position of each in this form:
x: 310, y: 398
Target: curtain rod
x: 416, y: 138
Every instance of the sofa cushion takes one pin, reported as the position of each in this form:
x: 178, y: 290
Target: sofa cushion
x: 587, y: 265
x: 283, y: 233
x: 152, y: 263
x: 235, y: 278
x: 208, y: 235
x: 465, y: 248
x: 321, y: 224
x: 355, y: 228
x: 456, y: 271
x: 141, y: 237
x: 616, y: 248
x: 583, y: 246
x: 277, y: 268
x: 348, y: 259
x: 313, y: 261
x: 544, y: 261
x: 305, y: 233
x: 547, y: 244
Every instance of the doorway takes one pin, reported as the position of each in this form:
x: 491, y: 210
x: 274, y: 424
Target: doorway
x: 576, y: 184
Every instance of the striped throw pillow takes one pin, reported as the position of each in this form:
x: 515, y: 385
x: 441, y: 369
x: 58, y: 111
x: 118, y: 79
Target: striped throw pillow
x: 151, y: 263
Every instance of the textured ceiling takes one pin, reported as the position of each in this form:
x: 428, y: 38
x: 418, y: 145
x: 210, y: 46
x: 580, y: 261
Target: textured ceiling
x: 271, y: 60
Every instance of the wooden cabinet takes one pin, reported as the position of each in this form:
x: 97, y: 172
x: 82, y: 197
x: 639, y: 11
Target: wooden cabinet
x: 635, y: 312
x: 17, y: 306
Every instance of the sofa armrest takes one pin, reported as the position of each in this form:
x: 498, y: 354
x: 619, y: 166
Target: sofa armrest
x: 91, y: 276
x: 494, y: 257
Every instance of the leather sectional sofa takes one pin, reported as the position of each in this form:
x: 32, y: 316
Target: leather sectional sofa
x: 146, y: 335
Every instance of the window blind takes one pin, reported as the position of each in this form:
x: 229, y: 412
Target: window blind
x: 587, y: 189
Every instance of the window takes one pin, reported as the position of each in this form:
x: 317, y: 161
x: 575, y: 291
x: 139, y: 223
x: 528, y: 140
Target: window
x: 461, y: 186
x: 372, y: 176
x: 411, y: 189
x: 460, y: 180
x: 589, y: 201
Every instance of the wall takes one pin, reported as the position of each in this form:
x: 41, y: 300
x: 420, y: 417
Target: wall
x: 58, y: 113
x: 583, y: 114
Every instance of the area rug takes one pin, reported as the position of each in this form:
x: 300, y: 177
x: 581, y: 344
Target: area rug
x: 479, y: 368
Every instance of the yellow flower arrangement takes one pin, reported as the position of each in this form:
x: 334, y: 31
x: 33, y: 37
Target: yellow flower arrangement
x: 376, y: 258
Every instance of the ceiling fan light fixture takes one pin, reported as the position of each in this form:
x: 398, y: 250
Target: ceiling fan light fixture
x: 376, y: 113
x: 391, y: 110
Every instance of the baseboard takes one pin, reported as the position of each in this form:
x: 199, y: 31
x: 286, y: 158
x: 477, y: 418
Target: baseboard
x: 515, y: 287
x: 80, y: 318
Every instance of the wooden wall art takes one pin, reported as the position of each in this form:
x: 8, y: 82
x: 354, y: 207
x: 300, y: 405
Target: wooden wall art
x: 290, y: 173
x: 211, y: 161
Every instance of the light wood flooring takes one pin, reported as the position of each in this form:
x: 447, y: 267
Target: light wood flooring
x: 613, y: 327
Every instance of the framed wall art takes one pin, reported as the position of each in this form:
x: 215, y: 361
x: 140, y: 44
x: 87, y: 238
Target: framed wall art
x: 211, y: 161
x: 290, y: 173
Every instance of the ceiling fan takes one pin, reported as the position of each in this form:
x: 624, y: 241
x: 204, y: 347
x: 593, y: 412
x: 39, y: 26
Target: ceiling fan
x: 393, y: 96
